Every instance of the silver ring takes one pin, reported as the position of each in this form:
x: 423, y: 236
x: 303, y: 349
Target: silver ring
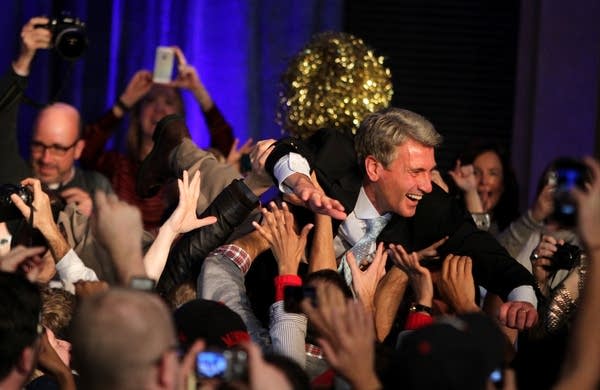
x: 534, y: 256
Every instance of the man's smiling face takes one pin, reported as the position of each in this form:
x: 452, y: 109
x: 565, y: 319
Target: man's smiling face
x: 399, y: 187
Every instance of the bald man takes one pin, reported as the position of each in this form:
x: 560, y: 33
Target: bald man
x: 56, y: 142
x: 125, y: 339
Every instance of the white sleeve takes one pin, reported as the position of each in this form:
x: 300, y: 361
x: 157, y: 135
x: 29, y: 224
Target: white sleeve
x: 523, y: 294
x: 288, y: 333
x: 288, y: 165
x: 71, y: 269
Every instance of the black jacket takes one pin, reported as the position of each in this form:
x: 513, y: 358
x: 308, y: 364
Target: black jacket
x: 331, y: 155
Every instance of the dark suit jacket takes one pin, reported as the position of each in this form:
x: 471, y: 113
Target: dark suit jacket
x: 332, y: 156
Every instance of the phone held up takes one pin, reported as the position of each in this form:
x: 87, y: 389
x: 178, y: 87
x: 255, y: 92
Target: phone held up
x: 227, y: 365
x: 163, y: 64
x: 569, y: 173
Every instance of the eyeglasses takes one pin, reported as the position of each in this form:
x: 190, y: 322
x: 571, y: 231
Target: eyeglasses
x: 54, y: 149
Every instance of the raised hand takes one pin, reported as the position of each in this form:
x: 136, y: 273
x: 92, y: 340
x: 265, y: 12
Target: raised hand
x: 139, y: 85
x: 42, y: 218
x: 364, y: 283
x: 278, y: 229
x: 315, y: 198
x: 28, y: 260
x: 544, y: 204
x: 235, y: 154
x: 464, y: 177
x: 347, y: 337
x: 184, y: 218
x: 456, y: 285
x: 258, y: 179
x: 32, y: 39
x: 81, y: 199
x: 118, y: 226
x: 588, y: 205
x: 419, y: 276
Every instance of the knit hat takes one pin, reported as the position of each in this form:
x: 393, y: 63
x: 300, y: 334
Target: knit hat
x: 212, y: 321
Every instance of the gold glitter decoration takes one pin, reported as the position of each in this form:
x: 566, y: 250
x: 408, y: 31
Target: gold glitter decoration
x: 333, y: 82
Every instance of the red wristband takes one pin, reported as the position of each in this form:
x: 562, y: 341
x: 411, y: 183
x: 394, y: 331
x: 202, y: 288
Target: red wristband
x: 416, y: 320
x: 285, y: 280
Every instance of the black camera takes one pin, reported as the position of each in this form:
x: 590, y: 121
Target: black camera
x: 294, y: 295
x: 569, y: 174
x: 69, y: 37
x: 566, y: 257
x: 228, y: 365
x: 8, y: 210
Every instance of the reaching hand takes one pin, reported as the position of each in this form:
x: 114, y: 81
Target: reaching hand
x: 544, y: 204
x: 347, y: 336
x: 258, y: 179
x: 419, y: 276
x: 139, y: 85
x: 518, y: 315
x: 184, y: 218
x: 315, y: 198
x: 118, y: 226
x: 28, y: 260
x: 431, y: 251
x: 80, y: 198
x: 187, y: 77
x: 235, y: 154
x: 456, y: 285
x: 588, y: 206
x: 287, y: 246
x: 87, y: 288
x: 365, y: 282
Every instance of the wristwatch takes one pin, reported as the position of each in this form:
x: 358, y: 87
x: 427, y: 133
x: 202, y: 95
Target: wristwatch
x: 142, y: 283
x: 418, y: 308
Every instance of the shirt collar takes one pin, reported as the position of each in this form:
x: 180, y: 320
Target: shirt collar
x: 364, y: 209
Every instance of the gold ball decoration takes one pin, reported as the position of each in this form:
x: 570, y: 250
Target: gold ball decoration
x: 333, y: 82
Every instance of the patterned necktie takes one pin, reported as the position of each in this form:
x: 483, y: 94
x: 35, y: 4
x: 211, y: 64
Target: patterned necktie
x: 365, y: 247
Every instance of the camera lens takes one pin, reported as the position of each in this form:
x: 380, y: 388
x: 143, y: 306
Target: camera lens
x: 70, y: 42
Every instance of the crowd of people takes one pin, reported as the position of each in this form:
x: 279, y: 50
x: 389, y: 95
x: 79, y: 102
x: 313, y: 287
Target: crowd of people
x: 164, y: 266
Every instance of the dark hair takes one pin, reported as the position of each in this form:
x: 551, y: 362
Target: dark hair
x: 332, y: 277
x: 20, y: 306
x: 507, y: 209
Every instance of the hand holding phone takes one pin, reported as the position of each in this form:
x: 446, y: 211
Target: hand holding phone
x: 163, y: 64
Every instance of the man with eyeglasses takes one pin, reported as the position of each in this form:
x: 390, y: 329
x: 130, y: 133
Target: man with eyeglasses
x: 56, y: 143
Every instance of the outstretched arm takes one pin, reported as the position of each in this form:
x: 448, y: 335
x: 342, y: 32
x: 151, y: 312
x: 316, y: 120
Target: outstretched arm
x: 182, y: 220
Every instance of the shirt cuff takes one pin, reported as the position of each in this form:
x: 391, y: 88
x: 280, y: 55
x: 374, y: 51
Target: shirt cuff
x: 237, y: 255
x: 285, y: 280
x: 288, y: 165
x: 71, y: 269
x: 523, y: 294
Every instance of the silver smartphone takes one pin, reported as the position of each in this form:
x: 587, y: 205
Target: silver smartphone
x: 163, y: 64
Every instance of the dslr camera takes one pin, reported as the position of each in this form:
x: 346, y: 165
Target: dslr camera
x: 227, y: 365
x: 566, y: 257
x: 69, y: 37
x: 8, y: 210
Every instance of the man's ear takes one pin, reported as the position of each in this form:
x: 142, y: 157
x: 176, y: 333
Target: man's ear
x: 79, y: 148
x: 372, y: 168
x: 167, y: 371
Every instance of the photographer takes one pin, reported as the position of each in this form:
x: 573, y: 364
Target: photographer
x: 56, y: 142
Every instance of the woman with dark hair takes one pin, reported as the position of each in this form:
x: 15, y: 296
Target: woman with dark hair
x: 488, y: 186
